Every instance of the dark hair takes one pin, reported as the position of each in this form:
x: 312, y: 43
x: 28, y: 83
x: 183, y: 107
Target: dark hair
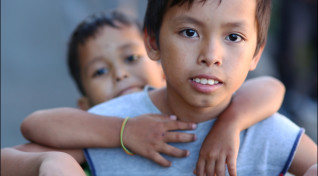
x: 157, y: 8
x: 89, y: 28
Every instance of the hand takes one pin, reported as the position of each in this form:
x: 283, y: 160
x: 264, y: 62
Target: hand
x: 59, y: 164
x: 148, y: 135
x: 219, y: 148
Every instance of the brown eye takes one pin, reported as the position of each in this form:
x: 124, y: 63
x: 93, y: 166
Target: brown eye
x: 189, y: 33
x: 100, y: 72
x: 234, y: 38
x: 132, y: 58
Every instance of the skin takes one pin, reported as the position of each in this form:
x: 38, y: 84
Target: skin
x: 36, y: 163
x: 116, y: 63
x: 215, y: 41
x: 208, y: 53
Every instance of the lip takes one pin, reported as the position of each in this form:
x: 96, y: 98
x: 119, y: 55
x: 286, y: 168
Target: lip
x: 205, y: 88
x: 129, y: 89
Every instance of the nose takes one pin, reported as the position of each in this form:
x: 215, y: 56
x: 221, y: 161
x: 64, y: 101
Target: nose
x: 210, y: 53
x: 120, y: 74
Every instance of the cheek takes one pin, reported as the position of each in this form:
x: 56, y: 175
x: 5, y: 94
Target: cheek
x: 148, y: 73
x: 100, y: 91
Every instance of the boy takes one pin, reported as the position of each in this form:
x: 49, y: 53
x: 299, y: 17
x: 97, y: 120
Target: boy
x: 198, y: 42
x: 94, y: 80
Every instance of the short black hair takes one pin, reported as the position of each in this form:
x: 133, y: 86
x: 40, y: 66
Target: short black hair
x: 156, y: 10
x: 87, y: 29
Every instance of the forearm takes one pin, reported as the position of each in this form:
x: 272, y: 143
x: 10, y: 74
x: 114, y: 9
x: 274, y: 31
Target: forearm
x: 71, y: 128
x: 257, y: 99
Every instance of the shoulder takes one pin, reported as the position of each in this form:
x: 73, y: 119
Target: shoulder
x: 275, y: 126
x: 269, y: 144
x: 278, y: 122
x: 135, y: 103
x: 120, y: 103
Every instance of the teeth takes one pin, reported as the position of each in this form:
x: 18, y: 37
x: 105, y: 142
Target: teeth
x: 211, y: 81
x: 205, y: 81
x: 197, y: 80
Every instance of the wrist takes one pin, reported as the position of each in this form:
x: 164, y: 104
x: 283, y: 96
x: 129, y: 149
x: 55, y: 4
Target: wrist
x: 231, y: 119
x: 108, y: 132
x: 127, y: 151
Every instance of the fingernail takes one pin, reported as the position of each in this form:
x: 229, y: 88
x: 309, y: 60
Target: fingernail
x: 194, y: 126
x: 173, y: 117
x: 188, y: 153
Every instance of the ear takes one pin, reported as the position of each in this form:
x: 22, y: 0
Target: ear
x: 256, y: 58
x: 151, y: 46
x: 83, y: 103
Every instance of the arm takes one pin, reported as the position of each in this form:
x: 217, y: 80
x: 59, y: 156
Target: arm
x: 257, y: 99
x: 15, y: 162
x: 73, y: 128
x: 77, y: 154
x: 305, y: 159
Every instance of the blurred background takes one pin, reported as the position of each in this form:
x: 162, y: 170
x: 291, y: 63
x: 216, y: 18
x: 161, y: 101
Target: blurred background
x: 34, y: 75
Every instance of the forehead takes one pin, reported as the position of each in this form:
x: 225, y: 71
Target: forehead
x: 111, y: 37
x: 212, y: 11
x: 109, y: 41
x: 108, y: 44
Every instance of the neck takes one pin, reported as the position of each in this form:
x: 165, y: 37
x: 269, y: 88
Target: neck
x: 175, y: 105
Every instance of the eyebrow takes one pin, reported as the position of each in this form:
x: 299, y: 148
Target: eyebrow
x: 187, y: 19
x: 242, y: 25
x: 98, y: 58
x: 128, y: 45
x: 91, y: 62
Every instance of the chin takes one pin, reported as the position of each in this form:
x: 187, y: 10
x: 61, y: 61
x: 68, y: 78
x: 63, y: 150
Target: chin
x: 204, y: 103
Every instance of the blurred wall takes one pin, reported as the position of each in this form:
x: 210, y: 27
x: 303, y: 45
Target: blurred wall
x: 34, y: 75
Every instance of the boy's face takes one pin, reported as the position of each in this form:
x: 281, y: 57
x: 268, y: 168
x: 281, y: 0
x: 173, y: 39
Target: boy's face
x: 206, y: 51
x: 114, y: 63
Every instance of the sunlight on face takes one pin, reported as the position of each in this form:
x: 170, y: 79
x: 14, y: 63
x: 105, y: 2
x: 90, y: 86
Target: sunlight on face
x: 207, y: 50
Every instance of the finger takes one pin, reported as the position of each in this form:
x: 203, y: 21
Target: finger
x: 231, y: 165
x: 200, y: 167
x: 156, y: 157
x: 210, y: 167
x: 179, y: 137
x: 178, y: 125
x: 220, y: 166
x: 173, y: 151
x: 171, y: 117
x: 163, y: 116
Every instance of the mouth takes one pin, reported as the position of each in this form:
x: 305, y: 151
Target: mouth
x: 205, y: 84
x: 205, y: 81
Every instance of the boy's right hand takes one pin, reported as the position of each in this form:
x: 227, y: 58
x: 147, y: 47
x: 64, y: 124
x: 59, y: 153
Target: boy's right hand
x: 147, y: 135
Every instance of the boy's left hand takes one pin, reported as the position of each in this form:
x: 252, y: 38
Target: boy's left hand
x: 220, y: 148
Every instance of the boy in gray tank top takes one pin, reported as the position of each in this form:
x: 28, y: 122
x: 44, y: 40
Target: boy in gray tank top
x: 206, y: 49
